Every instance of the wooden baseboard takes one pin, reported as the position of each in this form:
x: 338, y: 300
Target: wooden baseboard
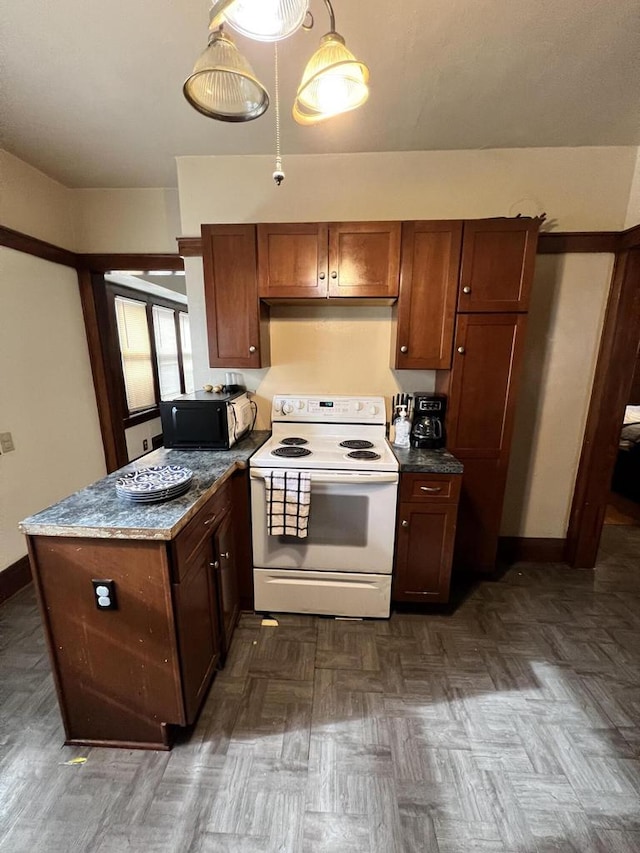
x: 14, y: 578
x: 513, y: 549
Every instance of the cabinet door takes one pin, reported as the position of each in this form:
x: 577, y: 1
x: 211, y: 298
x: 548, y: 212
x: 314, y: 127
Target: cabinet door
x: 498, y: 257
x: 237, y: 337
x: 198, y: 627
x: 428, y: 292
x: 292, y: 260
x: 227, y: 580
x: 480, y: 514
x: 364, y: 259
x: 426, y: 535
x: 486, y: 364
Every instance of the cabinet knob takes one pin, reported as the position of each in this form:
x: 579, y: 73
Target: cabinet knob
x: 405, y: 523
x: 215, y: 565
x: 404, y: 349
x: 322, y: 276
x: 466, y: 289
x: 461, y: 350
x: 252, y: 349
x: 226, y: 555
x: 334, y: 274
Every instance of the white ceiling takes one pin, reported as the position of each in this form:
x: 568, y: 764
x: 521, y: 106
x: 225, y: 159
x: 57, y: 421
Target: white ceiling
x: 92, y: 91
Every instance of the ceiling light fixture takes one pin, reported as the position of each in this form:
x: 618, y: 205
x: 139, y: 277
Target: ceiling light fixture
x: 263, y: 20
x: 223, y: 85
x: 333, y: 82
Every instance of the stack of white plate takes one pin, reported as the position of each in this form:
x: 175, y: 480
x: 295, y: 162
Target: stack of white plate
x: 154, y: 484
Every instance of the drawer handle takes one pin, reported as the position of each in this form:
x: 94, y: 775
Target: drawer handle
x: 430, y: 488
x: 210, y: 519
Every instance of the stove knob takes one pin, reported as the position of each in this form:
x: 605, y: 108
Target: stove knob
x: 358, y: 407
x: 287, y: 408
x: 277, y: 406
x: 300, y: 404
x: 373, y: 410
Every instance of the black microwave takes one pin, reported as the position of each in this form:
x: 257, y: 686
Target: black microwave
x: 206, y: 420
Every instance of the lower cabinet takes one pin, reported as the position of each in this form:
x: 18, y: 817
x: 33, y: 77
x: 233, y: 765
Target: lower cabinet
x: 125, y: 676
x: 426, y: 530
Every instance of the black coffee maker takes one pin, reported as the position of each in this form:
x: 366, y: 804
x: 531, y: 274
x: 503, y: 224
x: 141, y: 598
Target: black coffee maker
x: 427, y: 426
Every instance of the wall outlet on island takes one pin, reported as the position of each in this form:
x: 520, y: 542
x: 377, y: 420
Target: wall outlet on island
x: 145, y: 444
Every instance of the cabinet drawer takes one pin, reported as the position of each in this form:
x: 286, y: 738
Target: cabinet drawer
x: 201, y: 525
x: 430, y: 487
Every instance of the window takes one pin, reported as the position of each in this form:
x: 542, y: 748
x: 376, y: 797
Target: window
x: 135, y: 352
x: 154, y: 339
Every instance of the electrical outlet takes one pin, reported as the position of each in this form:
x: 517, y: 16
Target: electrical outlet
x: 6, y: 442
x: 105, y: 592
x: 145, y: 444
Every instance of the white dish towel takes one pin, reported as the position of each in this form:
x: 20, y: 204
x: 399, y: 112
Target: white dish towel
x: 288, y: 502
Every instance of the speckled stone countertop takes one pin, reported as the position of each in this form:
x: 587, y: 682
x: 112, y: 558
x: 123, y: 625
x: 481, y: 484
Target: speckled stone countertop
x: 98, y: 512
x: 415, y: 461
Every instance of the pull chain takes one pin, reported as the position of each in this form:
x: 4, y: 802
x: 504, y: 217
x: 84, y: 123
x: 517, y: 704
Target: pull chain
x: 278, y: 175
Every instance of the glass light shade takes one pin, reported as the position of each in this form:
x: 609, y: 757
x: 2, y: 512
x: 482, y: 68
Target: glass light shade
x: 264, y: 20
x: 223, y: 85
x: 333, y: 82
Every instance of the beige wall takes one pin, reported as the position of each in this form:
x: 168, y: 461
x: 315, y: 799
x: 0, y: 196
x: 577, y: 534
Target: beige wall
x: 127, y: 220
x: 580, y: 189
x: 633, y: 208
x: 34, y: 204
x: 347, y: 349
x: 565, y: 323
x: 47, y: 399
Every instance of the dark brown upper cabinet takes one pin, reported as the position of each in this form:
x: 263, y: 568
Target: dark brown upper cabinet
x: 482, y: 383
x: 320, y: 260
x: 236, y: 321
x: 422, y: 337
x: 498, y: 257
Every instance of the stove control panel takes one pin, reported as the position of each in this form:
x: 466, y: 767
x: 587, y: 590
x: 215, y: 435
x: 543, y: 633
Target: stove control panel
x: 319, y: 409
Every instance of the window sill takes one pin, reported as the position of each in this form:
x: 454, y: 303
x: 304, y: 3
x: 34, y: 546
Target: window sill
x: 141, y: 417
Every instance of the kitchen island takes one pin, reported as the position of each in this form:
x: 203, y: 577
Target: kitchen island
x: 176, y: 573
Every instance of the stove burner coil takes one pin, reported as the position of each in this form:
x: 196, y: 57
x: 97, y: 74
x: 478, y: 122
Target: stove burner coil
x: 363, y: 454
x: 293, y: 440
x: 291, y: 452
x: 356, y: 444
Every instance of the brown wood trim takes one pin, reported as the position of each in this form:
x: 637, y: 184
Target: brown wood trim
x: 94, y: 308
x: 32, y: 246
x: 568, y: 242
x: 190, y: 247
x: 514, y: 549
x: 630, y: 239
x: 145, y: 262
x: 14, y: 578
x: 549, y: 243
x: 610, y: 394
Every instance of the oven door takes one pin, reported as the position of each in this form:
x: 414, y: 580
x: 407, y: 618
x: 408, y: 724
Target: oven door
x: 351, y: 524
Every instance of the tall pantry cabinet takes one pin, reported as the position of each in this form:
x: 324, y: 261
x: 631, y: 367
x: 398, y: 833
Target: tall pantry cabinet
x: 494, y: 284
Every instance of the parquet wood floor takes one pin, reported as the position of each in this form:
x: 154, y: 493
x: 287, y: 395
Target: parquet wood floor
x: 511, y: 724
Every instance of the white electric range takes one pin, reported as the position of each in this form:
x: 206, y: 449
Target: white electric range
x: 343, y: 567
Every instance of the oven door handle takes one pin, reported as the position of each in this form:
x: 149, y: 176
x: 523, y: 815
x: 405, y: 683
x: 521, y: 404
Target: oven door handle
x: 339, y: 477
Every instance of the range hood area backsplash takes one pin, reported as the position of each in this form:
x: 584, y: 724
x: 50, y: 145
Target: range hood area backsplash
x: 316, y: 349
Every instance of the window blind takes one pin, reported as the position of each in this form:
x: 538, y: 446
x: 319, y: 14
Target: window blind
x: 187, y: 356
x: 164, y: 328
x: 135, y: 351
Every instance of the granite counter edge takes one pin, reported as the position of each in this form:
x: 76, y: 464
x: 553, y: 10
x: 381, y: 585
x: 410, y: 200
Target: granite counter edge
x: 158, y: 534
